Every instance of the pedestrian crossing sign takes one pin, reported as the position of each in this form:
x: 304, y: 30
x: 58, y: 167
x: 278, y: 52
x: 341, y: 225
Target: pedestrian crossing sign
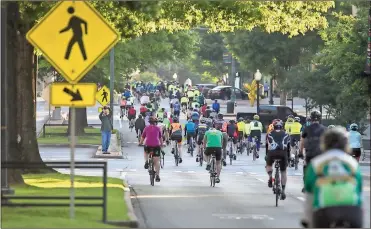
x: 73, y: 37
x: 103, y: 96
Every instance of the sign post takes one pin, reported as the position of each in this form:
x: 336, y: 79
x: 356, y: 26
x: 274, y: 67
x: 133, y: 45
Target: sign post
x: 73, y: 37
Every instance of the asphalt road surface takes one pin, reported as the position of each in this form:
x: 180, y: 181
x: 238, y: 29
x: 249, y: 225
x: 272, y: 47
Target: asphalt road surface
x: 184, y: 197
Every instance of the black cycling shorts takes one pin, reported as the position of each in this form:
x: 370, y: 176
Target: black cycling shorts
x: 277, y: 154
x: 256, y: 133
x: 294, y: 137
x: 234, y: 139
x: 184, y: 104
x: 217, y: 151
x: 356, y: 152
x: 156, y: 150
x: 353, y: 215
x: 200, y: 139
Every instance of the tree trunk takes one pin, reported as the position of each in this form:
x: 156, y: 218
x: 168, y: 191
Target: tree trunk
x: 25, y: 116
x: 81, y: 121
x: 9, y: 149
x: 283, y: 97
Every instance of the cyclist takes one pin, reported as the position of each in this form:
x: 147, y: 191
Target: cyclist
x: 144, y: 99
x: 213, y: 141
x: 190, y: 96
x: 131, y: 115
x: 143, y: 110
x: 201, y: 99
x: 160, y: 113
x: 256, y: 130
x: 290, y: 120
x: 277, y: 144
x: 247, y: 131
x: 216, y: 106
x: 127, y: 94
x: 200, y: 133
x: 221, y: 125
x: 190, y: 132
x: 355, y: 141
x: 310, y: 139
x: 184, y: 102
x: 232, y: 135
x: 122, y: 107
x: 139, y: 124
x: 176, y: 109
x: 241, y: 130
x: 196, y: 93
x: 195, y: 116
x: 189, y: 112
x: 153, y: 143
x: 195, y: 104
x: 176, y: 135
x: 333, y: 185
x: 207, y: 112
x: 163, y: 128
x: 294, y: 132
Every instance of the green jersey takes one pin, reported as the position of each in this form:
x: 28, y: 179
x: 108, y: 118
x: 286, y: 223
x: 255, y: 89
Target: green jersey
x: 166, y: 122
x: 214, y: 138
x: 334, y: 179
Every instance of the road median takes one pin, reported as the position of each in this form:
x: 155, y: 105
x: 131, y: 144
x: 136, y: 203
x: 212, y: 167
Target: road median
x: 114, y: 149
x: 119, y: 209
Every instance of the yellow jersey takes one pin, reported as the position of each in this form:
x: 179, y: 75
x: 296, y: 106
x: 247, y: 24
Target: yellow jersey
x: 190, y: 94
x: 196, y: 93
x: 247, y: 129
x: 295, y: 128
x: 287, y: 126
x: 184, y: 100
x: 241, y: 127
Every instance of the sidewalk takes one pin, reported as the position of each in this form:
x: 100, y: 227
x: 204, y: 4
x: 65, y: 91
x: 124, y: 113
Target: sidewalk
x: 114, y: 149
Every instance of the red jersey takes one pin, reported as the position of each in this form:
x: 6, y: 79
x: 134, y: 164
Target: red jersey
x: 143, y: 109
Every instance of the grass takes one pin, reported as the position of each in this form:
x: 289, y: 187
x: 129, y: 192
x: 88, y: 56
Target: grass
x: 58, y: 139
x: 58, y: 217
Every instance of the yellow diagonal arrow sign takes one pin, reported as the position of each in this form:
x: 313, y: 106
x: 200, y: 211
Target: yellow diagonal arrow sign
x: 78, y: 95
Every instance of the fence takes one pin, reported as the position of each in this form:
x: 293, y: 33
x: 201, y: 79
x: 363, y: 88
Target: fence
x: 60, y: 165
x: 65, y: 134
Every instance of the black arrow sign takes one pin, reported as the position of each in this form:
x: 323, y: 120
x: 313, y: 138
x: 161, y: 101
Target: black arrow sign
x: 75, y: 96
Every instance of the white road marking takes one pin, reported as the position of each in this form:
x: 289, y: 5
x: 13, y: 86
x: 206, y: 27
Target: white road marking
x: 190, y: 171
x: 260, y: 180
x: 178, y: 171
x: 119, y: 170
x: 239, y: 172
x: 300, y: 198
x: 252, y: 173
x: 298, y: 174
x: 132, y: 170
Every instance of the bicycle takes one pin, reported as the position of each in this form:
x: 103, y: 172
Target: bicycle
x: 295, y: 148
x: 176, y: 154
x: 276, y: 181
x: 190, y: 147
x: 139, y: 135
x: 212, y: 171
x: 151, y: 169
x: 201, y: 156
x: 162, y: 159
x: 131, y: 124
x: 230, y: 152
x: 253, y: 148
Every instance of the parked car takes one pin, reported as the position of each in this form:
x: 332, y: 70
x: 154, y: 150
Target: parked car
x: 270, y: 112
x: 225, y: 92
x: 205, y: 87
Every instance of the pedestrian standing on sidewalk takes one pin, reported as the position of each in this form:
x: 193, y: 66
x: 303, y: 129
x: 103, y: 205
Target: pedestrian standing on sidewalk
x: 266, y: 89
x: 106, y: 128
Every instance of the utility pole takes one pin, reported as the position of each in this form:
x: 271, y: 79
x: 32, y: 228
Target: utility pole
x: 233, y: 72
x: 112, y: 80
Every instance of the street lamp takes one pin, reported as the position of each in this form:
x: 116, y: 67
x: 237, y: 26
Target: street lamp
x: 258, y: 77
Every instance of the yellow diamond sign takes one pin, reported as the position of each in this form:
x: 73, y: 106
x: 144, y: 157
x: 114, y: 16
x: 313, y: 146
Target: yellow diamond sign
x: 73, y: 37
x: 103, y: 96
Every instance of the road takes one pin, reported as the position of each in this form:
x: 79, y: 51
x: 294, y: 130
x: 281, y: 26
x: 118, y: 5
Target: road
x: 184, y: 197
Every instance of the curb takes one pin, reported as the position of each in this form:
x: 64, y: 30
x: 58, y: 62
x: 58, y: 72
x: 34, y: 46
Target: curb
x: 68, y: 145
x: 108, y: 156
x: 133, y: 222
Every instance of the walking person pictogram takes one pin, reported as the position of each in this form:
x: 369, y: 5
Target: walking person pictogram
x: 75, y: 24
x: 104, y: 94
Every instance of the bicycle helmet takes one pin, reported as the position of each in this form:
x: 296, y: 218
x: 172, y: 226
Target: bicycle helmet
x: 278, y: 124
x: 297, y: 119
x: 203, y: 121
x: 240, y: 119
x: 330, y: 126
x: 231, y: 121
x: 163, y: 109
x: 152, y: 120
x: 220, y: 116
x: 291, y: 117
x: 353, y: 127
x: 140, y: 116
x: 175, y: 119
x: 256, y: 117
x: 315, y: 115
x: 335, y: 138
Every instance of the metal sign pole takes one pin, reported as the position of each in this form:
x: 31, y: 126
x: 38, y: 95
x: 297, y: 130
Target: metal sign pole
x: 112, y: 80
x: 72, y: 171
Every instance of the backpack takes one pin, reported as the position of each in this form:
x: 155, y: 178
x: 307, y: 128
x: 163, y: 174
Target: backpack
x: 176, y: 135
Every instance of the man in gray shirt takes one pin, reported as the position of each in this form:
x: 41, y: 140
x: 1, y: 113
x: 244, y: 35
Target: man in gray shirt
x: 106, y: 128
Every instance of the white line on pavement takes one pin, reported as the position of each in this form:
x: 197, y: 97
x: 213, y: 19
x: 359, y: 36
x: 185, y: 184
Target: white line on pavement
x: 252, y: 173
x: 177, y: 171
x: 298, y: 174
x: 300, y: 198
x: 260, y: 180
x: 190, y: 171
x: 239, y: 172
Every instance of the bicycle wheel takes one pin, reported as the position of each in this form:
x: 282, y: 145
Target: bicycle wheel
x: 254, y: 152
x: 278, y: 186
x: 139, y: 135
x: 296, y: 159
x: 151, y: 172
x: 248, y: 149
x: 201, y: 158
x: 230, y: 154
x: 191, y: 150
x: 212, y: 176
x: 176, y: 155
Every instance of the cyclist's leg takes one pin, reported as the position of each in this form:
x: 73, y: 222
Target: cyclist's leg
x: 156, y: 159
x: 268, y: 167
x: 283, y: 167
x: 218, y: 157
x: 207, y: 157
x: 180, y: 151
x: 234, y: 140
x: 259, y: 136
x: 145, y: 157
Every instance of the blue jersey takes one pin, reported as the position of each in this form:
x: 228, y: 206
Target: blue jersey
x: 176, y: 107
x: 195, y: 116
x: 127, y: 94
x: 216, y: 106
x: 355, y: 139
x: 190, y: 127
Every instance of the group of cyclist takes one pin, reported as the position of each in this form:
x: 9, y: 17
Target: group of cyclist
x: 332, y: 178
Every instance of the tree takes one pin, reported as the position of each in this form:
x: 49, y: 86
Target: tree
x: 275, y: 54
x: 135, y: 19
